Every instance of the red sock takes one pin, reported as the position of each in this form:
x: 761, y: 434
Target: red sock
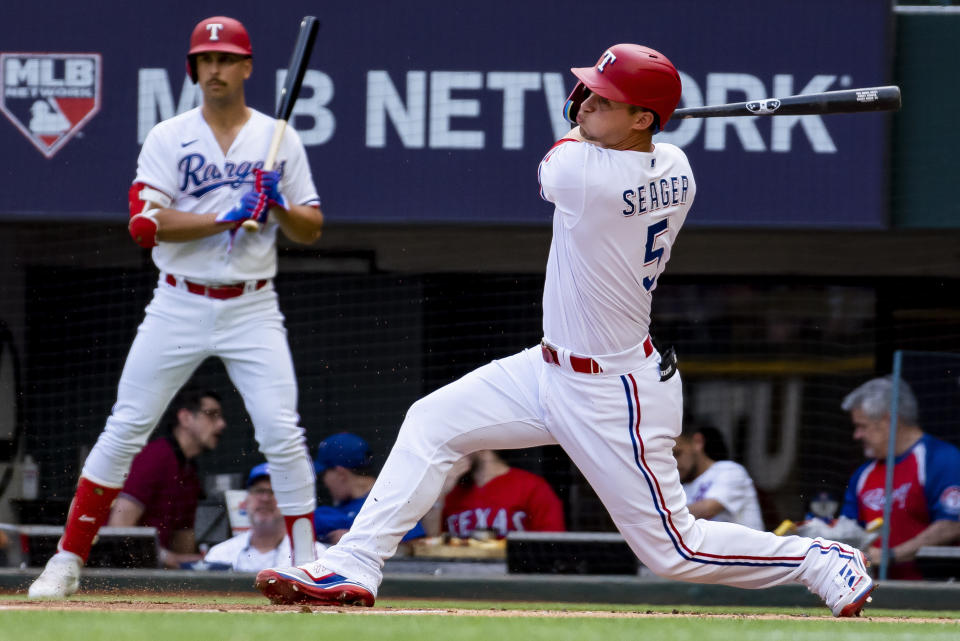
x: 302, y: 537
x: 89, y: 511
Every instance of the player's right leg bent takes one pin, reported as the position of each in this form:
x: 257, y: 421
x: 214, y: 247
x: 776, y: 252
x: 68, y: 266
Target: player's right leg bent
x: 620, y: 430
x: 493, y: 407
x: 165, y: 352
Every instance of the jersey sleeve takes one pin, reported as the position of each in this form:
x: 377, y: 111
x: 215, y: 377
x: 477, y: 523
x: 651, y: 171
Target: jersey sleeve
x: 732, y: 487
x: 155, y: 166
x: 851, y: 502
x: 297, y: 181
x: 562, y: 175
x: 224, y: 552
x: 544, y: 509
x: 326, y: 519
x: 145, y: 477
x: 943, y: 483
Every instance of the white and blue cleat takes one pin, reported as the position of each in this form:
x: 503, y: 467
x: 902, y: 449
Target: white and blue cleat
x: 311, y: 584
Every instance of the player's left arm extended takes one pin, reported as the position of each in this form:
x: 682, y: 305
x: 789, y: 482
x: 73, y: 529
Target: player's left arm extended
x: 300, y: 223
x: 941, y: 532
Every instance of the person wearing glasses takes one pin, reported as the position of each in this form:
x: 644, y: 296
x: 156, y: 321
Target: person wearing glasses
x: 266, y: 542
x: 163, y: 487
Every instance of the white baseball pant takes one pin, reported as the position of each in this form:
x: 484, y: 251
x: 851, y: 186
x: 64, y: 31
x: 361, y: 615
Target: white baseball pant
x: 179, y: 332
x: 618, y: 427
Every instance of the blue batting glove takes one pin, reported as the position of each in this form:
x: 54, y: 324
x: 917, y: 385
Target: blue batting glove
x: 268, y: 182
x: 252, y: 205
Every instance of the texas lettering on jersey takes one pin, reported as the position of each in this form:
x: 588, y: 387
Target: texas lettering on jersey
x: 199, y: 177
x: 464, y: 523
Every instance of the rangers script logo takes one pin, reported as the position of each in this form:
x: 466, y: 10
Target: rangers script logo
x: 49, y: 96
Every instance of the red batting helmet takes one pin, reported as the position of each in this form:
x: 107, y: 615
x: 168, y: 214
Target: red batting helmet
x: 632, y: 74
x: 218, y: 33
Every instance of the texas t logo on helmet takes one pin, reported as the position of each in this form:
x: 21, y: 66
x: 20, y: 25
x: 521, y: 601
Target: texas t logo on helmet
x: 608, y: 58
x: 213, y: 28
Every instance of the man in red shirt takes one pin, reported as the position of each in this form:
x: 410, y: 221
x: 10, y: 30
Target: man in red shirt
x: 482, y: 492
x: 925, y: 507
x: 163, y: 488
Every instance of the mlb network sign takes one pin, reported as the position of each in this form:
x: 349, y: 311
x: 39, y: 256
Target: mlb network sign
x: 49, y: 97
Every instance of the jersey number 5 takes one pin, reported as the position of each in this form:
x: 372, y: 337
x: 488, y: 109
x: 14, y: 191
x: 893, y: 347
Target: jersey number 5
x: 652, y: 255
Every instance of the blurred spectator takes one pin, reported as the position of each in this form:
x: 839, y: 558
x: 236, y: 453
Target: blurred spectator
x: 926, y: 476
x: 822, y: 506
x: 717, y: 489
x: 344, y: 463
x: 163, y: 488
x: 266, y: 543
x: 482, y: 492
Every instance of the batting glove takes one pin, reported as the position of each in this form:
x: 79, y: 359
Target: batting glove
x: 268, y: 182
x: 252, y: 205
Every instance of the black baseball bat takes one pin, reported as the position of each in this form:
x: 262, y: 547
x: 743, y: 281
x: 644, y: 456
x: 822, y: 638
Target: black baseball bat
x: 845, y: 101
x: 288, y: 95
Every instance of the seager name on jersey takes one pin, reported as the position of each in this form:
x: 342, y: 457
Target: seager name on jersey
x: 666, y: 192
x: 198, y: 177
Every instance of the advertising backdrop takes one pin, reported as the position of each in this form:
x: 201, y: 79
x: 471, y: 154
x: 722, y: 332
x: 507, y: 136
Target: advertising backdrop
x: 425, y: 112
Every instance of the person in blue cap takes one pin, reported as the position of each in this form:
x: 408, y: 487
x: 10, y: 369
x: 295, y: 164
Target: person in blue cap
x: 266, y: 542
x: 344, y: 463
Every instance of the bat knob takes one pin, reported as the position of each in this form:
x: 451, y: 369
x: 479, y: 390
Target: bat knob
x: 251, y: 226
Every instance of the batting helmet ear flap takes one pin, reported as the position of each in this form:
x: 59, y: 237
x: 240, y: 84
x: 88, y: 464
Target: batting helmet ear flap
x: 574, y: 100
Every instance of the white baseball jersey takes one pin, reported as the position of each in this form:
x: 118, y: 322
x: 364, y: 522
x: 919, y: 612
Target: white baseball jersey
x: 617, y: 216
x: 729, y: 483
x: 243, y: 557
x: 182, y: 158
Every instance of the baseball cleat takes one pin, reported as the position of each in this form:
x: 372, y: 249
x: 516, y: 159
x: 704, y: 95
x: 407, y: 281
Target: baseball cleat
x: 311, y: 584
x: 849, y: 588
x: 59, y: 579
x: 856, y: 607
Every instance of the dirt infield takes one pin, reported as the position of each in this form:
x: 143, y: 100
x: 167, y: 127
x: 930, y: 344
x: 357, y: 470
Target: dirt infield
x: 166, y: 606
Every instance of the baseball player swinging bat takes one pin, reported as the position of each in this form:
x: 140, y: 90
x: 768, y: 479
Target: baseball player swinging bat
x: 828, y: 102
x: 288, y: 95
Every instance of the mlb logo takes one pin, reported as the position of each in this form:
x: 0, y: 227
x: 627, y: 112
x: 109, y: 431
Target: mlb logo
x: 49, y: 97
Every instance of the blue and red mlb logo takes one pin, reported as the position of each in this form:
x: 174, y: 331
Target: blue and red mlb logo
x: 49, y: 97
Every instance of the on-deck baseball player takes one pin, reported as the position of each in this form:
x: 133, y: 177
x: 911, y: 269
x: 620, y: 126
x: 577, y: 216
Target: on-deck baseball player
x: 198, y: 178
x: 594, y: 385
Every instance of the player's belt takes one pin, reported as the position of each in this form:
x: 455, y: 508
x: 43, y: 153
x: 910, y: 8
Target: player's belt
x: 582, y: 364
x: 220, y: 292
